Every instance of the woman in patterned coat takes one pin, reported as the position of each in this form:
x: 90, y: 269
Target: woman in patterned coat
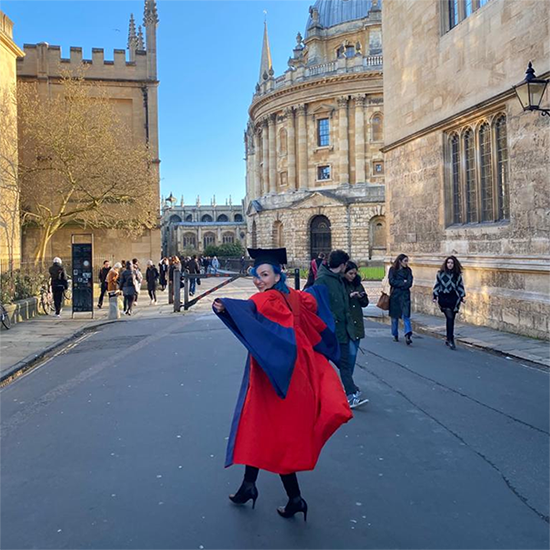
x: 449, y: 294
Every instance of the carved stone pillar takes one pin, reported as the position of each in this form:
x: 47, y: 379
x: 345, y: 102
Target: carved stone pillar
x: 257, y: 167
x: 359, y: 139
x: 291, y: 147
x: 343, y: 143
x: 265, y: 159
x: 302, y: 147
x: 272, y: 154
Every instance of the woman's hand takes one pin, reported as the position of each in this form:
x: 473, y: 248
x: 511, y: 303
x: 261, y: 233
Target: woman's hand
x: 355, y: 294
x: 218, y: 306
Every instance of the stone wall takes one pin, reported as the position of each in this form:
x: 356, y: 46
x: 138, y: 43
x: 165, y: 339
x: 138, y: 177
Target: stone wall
x: 10, y: 235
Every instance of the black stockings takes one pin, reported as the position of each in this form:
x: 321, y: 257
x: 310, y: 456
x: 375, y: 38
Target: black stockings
x: 290, y: 481
x: 450, y: 315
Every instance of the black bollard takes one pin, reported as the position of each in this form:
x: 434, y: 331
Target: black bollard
x: 297, y: 279
x: 177, y: 290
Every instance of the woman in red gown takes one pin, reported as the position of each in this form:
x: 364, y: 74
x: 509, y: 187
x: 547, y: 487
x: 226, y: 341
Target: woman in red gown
x: 291, y: 399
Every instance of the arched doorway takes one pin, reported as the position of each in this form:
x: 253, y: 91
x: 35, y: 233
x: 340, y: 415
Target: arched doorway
x: 377, y: 237
x: 320, y: 236
x: 278, y: 237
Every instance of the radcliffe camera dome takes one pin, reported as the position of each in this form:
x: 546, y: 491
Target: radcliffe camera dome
x: 334, y: 12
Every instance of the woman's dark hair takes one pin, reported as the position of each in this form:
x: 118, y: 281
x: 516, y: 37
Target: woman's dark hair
x: 351, y: 265
x: 128, y: 265
x: 457, y: 268
x: 397, y: 264
x: 337, y: 258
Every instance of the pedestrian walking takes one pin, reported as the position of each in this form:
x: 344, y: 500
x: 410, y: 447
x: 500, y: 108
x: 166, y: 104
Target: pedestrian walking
x: 358, y: 299
x: 59, y: 284
x: 139, y: 278
x: 164, y: 266
x: 400, y: 278
x: 291, y: 400
x: 314, y: 269
x: 127, y: 284
x: 449, y: 293
x: 193, y: 269
x: 331, y: 277
x: 102, y: 277
x: 242, y: 265
x: 152, y: 277
x: 215, y: 264
x: 113, y: 291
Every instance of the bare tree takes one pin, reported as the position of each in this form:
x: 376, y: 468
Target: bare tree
x: 79, y: 164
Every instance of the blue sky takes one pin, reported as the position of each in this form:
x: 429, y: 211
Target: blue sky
x: 209, y: 59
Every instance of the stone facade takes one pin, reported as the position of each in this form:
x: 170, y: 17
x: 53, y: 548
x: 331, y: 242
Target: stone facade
x: 466, y: 168
x: 10, y: 235
x: 314, y: 170
x: 191, y: 228
x: 132, y: 88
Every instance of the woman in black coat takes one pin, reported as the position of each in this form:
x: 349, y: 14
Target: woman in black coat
x: 449, y: 294
x: 163, y: 273
x: 401, y: 279
x: 152, y: 276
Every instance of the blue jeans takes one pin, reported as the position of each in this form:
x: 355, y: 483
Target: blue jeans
x: 192, y: 285
x: 395, y: 325
x: 353, y: 351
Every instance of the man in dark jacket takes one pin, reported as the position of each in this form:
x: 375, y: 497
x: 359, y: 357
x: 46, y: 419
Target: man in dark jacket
x: 331, y: 277
x: 102, y: 276
x: 194, y: 269
x: 59, y: 283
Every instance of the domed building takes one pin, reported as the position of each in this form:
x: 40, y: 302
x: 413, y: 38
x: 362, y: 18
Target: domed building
x: 314, y: 169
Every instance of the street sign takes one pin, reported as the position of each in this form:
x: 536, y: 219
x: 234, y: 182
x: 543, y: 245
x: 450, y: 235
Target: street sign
x: 83, y: 288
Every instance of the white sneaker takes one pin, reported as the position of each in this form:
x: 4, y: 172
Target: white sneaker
x: 58, y: 316
x: 355, y: 401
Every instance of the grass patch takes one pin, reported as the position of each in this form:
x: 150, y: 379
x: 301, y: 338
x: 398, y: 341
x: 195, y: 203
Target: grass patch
x: 367, y: 273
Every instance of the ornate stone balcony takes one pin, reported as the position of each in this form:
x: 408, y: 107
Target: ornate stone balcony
x: 341, y: 66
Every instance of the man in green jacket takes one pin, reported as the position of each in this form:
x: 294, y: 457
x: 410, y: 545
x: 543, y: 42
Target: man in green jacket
x: 331, y: 277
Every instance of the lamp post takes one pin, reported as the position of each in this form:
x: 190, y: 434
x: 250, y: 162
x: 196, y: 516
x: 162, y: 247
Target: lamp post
x: 531, y: 91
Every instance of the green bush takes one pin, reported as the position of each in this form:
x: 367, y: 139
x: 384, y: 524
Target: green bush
x: 226, y: 250
x: 15, y: 285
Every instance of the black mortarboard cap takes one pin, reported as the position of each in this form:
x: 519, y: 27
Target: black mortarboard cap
x: 273, y: 256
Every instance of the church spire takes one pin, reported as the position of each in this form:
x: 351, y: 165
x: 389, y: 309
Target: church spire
x: 132, y: 38
x: 141, y: 43
x: 266, y: 67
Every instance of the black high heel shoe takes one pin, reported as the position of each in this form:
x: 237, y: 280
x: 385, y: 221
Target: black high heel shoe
x: 246, y: 492
x: 293, y: 507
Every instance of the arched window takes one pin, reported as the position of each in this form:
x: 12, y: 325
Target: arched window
x: 503, y: 189
x: 486, y: 173
x: 208, y: 239
x: 228, y: 238
x: 320, y: 236
x: 222, y: 218
x: 238, y: 218
x: 345, y: 51
x: 455, y: 179
x: 278, y: 239
x: 189, y: 218
x: 189, y: 241
x: 206, y: 218
x: 470, y: 177
x: 174, y: 218
x: 254, y: 236
x: 376, y: 128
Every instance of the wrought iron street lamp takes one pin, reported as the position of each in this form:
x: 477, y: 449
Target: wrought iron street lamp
x: 531, y: 91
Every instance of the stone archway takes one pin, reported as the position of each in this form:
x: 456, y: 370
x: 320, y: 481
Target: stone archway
x: 377, y: 237
x: 320, y: 236
x: 278, y: 236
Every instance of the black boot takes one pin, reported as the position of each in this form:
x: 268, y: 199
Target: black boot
x: 246, y: 492
x: 408, y: 338
x: 452, y: 344
x: 295, y: 505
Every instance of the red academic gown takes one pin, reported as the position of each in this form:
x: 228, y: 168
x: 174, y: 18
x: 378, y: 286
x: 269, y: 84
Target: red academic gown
x: 291, y: 399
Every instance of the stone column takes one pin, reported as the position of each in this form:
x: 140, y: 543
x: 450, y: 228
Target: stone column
x: 302, y: 147
x: 343, y: 143
x: 359, y: 139
x: 257, y: 168
x: 272, y: 154
x: 265, y: 150
x: 291, y: 146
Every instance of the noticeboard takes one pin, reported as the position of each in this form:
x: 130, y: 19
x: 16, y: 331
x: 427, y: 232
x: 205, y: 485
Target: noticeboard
x: 83, y: 288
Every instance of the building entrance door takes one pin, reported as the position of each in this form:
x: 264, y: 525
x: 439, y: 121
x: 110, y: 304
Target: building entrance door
x: 320, y: 236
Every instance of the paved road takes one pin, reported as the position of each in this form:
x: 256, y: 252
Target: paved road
x: 119, y: 442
